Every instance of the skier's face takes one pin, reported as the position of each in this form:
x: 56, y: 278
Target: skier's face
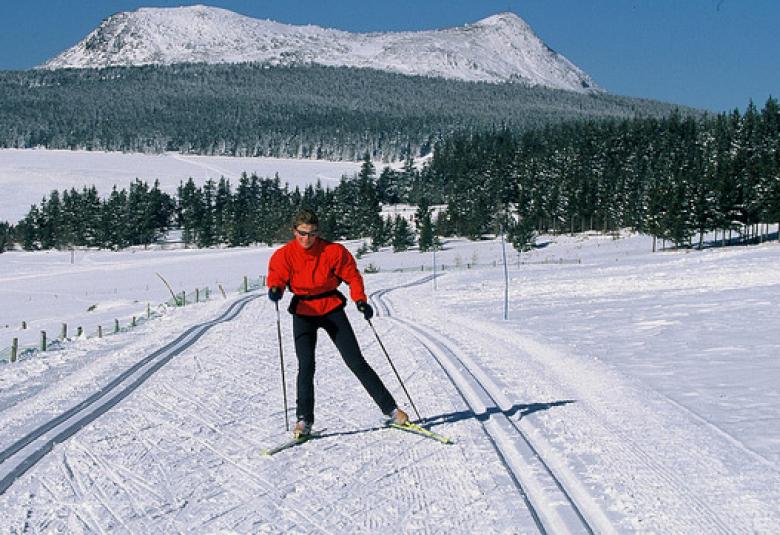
x: 306, y: 235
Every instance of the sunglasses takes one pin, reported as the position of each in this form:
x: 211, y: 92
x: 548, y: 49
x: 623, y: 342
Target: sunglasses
x: 304, y: 234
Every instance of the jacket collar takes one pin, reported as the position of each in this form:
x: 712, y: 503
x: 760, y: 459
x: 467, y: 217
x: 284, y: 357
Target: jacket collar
x: 313, y: 250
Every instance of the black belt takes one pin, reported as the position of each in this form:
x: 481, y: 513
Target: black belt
x: 297, y: 298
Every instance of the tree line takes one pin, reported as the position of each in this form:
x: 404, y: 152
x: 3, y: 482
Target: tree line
x: 257, y: 210
x: 334, y: 113
x: 675, y: 178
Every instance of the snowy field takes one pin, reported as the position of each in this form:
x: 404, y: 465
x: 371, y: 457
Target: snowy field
x: 27, y: 175
x: 626, y: 392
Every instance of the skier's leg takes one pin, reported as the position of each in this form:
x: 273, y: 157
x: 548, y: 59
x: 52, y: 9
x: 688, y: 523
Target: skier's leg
x: 340, y: 331
x: 305, y: 334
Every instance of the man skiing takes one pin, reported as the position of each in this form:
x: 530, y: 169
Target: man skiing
x: 313, y: 268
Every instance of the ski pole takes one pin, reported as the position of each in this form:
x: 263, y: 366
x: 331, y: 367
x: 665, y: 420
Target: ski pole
x: 395, y: 371
x: 281, y: 360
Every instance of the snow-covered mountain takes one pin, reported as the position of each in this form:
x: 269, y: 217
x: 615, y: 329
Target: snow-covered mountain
x: 500, y: 48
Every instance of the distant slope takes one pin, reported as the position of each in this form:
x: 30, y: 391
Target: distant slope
x: 254, y: 110
x: 500, y: 48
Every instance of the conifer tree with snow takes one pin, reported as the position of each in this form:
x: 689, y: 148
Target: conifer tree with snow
x: 6, y: 231
x: 223, y: 205
x: 426, y: 239
x: 403, y: 235
x: 380, y: 234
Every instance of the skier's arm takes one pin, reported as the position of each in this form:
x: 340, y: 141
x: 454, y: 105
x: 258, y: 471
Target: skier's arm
x: 278, y: 271
x: 347, y: 270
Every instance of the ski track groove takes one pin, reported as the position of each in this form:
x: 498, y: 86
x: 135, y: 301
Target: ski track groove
x: 94, y: 406
x: 375, y: 489
x: 675, y: 499
x: 531, y: 496
x: 626, y: 452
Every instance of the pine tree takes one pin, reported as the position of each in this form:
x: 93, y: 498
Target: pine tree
x: 6, y: 232
x: 223, y: 207
x: 403, y: 236
x: 27, y: 230
x: 380, y: 234
x: 521, y: 234
x: 90, y: 216
x: 426, y: 240
x: 50, y: 221
x: 207, y: 231
x: 190, y: 211
x: 113, y: 220
x: 242, y: 224
x: 161, y: 209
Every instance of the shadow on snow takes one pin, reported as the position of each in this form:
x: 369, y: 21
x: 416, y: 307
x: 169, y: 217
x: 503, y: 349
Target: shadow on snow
x: 520, y: 410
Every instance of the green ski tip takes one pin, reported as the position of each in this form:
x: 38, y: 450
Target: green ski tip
x: 410, y: 427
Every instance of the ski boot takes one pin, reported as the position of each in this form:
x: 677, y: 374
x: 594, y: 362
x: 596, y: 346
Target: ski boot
x: 398, y: 417
x: 302, y: 429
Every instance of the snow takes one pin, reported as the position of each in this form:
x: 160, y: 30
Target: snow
x: 26, y: 175
x: 645, y: 382
x: 496, y: 49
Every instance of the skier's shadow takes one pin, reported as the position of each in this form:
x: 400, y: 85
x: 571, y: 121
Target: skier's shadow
x: 521, y: 410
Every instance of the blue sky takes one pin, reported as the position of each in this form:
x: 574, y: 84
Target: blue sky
x: 711, y: 54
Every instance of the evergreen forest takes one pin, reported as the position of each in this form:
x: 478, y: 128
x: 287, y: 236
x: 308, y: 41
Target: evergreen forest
x: 676, y: 178
x: 334, y: 113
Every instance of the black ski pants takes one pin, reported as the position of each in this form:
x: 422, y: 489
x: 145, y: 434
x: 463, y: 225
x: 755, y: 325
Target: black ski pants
x: 340, y: 331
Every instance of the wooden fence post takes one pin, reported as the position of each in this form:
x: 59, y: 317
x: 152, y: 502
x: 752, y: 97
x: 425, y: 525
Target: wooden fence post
x: 43, y: 340
x: 14, y: 349
x: 24, y: 325
x: 207, y: 293
x: 197, y: 295
x: 148, y: 311
x: 100, y: 331
x: 79, y: 331
x: 116, y: 325
x: 133, y: 323
x: 64, y: 333
x: 246, y: 284
x: 183, y: 298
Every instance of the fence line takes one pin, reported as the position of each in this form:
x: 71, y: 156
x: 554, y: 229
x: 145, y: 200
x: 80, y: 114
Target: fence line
x: 15, y: 352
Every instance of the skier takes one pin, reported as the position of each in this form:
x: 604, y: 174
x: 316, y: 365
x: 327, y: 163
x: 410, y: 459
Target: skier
x: 313, y: 268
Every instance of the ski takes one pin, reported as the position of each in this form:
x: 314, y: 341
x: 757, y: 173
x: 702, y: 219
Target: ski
x: 409, y: 427
x: 267, y: 452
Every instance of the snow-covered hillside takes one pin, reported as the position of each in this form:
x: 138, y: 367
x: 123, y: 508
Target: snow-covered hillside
x: 28, y: 175
x: 499, y: 48
x: 627, y: 392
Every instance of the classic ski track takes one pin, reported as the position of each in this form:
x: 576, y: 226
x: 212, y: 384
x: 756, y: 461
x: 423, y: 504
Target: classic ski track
x: 627, y: 455
x: 627, y: 451
x: 535, y: 492
x: 376, y: 489
x: 30, y: 449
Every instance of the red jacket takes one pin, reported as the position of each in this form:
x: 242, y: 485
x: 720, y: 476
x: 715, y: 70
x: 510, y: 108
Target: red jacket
x: 317, y: 270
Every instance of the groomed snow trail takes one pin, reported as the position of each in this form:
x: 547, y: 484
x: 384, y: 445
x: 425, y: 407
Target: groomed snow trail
x: 20, y: 456
x: 552, y: 505
x: 650, y: 463
x: 545, y: 441
x: 180, y: 453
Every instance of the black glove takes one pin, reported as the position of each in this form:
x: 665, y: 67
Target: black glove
x: 274, y: 293
x: 366, y: 309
